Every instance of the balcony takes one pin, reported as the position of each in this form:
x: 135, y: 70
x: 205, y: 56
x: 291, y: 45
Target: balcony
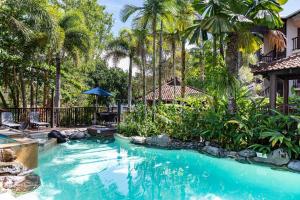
x: 296, y: 43
x: 271, y: 56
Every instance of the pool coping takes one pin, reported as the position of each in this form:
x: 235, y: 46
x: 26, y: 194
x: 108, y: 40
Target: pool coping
x: 245, y: 161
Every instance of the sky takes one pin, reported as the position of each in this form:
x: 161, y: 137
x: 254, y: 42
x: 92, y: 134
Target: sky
x: 115, y: 6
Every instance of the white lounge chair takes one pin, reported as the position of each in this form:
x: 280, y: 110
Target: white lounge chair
x: 7, y: 120
x: 34, y: 118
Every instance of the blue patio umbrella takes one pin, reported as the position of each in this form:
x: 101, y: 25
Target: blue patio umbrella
x: 97, y: 92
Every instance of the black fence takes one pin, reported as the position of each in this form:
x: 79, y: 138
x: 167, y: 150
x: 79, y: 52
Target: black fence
x: 63, y: 117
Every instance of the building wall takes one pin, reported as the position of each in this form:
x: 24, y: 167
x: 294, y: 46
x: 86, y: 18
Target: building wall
x: 291, y: 32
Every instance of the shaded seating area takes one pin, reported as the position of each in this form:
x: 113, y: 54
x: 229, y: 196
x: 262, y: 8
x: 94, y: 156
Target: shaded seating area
x: 7, y: 120
x: 34, y: 119
x: 279, y: 73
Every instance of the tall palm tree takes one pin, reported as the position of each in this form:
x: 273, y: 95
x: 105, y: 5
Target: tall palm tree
x: 142, y: 36
x: 148, y: 14
x: 74, y: 41
x: 172, y: 37
x: 185, y: 16
x: 125, y: 46
x: 236, y: 19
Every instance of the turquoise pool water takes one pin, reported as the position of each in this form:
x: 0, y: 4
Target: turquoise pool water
x: 90, y: 170
x: 5, y: 139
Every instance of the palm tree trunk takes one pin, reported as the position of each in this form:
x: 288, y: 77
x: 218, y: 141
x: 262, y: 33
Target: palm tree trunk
x: 154, y: 66
x: 174, y: 67
x: 160, y: 62
x: 183, y: 63
x: 23, y: 90
x: 202, y: 63
x: 232, y: 66
x: 221, y: 46
x: 57, y: 81
x: 143, y: 57
x: 130, y: 82
x: 214, y: 49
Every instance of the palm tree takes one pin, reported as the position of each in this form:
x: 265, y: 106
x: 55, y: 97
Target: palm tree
x: 172, y: 37
x: 150, y: 12
x: 184, y: 19
x: 236, y: 19
x: 74, y: 41
x: 142, y: 33
x: 125, y: 46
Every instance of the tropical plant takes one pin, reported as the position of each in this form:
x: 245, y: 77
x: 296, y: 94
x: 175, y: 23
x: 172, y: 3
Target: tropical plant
x: 126, y: 46
x: 236, y: 19
x: 150, y: 12
x: 73, y: 41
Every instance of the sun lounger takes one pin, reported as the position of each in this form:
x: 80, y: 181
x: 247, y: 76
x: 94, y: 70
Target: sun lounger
x: 7, y: 120
x: 34, y: 118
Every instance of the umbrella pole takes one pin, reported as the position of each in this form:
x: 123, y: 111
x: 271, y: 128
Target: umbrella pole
x: 96, y: 108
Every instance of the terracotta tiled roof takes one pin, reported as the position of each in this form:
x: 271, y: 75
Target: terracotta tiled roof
x: 291, y: 62
x: 168, y: 92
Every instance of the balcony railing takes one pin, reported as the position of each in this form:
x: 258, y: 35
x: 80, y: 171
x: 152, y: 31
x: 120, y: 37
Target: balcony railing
x: 271, y: 56
x: 296, y: 43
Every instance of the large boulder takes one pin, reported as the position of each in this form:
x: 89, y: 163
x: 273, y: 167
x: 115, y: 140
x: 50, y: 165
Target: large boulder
x: 277, y: 157
x: 7, y: 155
x: 21, y: 184
x: 247, y: 153
x: 138, y: 140
x: 10, y: 168
x: 56, y: 134
x: 294, y: 165
x: 160, y: 140
x: 78, y: 135
x: 214, y: 151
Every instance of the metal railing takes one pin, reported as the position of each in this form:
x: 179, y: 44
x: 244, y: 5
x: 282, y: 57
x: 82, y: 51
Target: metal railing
x: 271, y: 56
x: 63, y: 117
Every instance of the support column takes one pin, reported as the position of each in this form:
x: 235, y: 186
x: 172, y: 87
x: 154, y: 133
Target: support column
x: 286, y: 96
x: 273, y: 90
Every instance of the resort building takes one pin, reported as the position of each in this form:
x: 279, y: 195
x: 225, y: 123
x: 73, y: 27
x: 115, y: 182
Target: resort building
x: 171, y: 91
x: 279, y: 60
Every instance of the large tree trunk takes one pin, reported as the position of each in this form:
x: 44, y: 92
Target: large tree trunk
x: 130, y: 82
x: 46, y: 91
x: 160, y: 62
x: 232, y: 66
x: 174, y: 67
x: 31, y: 93
x: 13, y: 96
x: 57, y: 81
x: 16, y: 87
x: 183, y: 63
x: 23, y: 90
x: 154, y: 66
x: 4, y: 103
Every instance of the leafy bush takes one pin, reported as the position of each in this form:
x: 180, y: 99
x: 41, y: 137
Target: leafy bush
x: 206, y: 118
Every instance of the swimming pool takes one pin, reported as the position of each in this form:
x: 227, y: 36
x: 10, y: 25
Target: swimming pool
x: 6, y: 140
x: 90, y: 170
